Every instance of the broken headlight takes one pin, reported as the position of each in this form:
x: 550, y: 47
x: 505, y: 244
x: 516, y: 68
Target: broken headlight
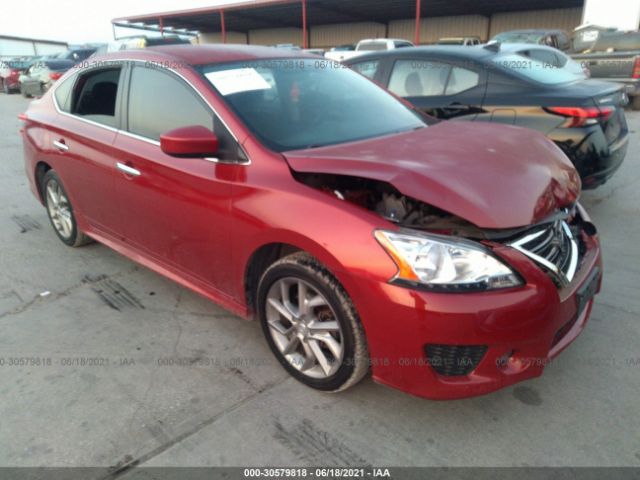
x: 442, y: 263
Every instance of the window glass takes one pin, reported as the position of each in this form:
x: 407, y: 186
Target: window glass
x: 538, y: 71
x: 94, y: 96
x: 419, y: 78
x: 368, y: 69
x: 62, y: 94
x: 372, y: 46
x: 160, y: 102
x: 460, y: 80
x: 295, y: 103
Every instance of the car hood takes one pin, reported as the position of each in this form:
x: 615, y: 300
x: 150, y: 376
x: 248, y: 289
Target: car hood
x: 493, y: 176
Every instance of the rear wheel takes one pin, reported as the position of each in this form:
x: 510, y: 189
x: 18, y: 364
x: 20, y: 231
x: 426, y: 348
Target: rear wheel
x: 311, y: 325
x: 635, y: 102
x: 60, y: 211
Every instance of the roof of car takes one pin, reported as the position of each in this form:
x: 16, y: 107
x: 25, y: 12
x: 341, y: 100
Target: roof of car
x: 534, y: 30
x: 208, y: 54
x: 475, y: 52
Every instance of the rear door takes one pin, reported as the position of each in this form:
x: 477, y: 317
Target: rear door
x: 449, y: 90
x: 82, y: 138
x: 175, y: 210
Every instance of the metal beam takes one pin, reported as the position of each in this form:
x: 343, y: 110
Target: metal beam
x: 223, y: 27
x: 149, y: 28
x: 416, y: 37
x: 305, y: 37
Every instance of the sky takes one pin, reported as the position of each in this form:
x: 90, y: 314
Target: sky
x: 78, y: 21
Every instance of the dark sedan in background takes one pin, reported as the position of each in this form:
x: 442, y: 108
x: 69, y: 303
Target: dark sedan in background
x: 518, y: 84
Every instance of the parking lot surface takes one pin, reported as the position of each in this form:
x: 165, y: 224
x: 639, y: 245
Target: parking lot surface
x: 104, y: 363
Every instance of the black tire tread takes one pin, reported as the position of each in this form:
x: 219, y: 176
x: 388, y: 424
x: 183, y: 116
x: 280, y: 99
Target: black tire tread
x: 318, y: 270
x: 81, y: 239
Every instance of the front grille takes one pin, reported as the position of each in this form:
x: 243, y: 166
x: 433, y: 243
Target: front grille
x: 454, y: 360
x: 554, y: 248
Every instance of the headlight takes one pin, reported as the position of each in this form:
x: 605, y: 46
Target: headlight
x: 444, y: 264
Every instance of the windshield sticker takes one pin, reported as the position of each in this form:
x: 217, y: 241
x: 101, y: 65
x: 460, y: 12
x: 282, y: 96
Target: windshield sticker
x: 238, y: 80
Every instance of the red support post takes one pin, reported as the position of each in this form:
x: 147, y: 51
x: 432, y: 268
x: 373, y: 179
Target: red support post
x: 305, y: 40
x: 161, y: 23
x: 416, y: 38
x: 223, y: 27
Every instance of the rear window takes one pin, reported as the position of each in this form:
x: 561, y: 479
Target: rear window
x: 519, y: 37
x: 539, y: 70
x: 372, y: 47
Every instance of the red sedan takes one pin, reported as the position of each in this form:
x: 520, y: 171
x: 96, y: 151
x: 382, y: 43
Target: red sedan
x: 448, y: 259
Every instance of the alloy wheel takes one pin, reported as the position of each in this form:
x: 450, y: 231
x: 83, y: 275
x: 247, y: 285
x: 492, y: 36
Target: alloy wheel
x: 304, y: 328
x: 59, y: 209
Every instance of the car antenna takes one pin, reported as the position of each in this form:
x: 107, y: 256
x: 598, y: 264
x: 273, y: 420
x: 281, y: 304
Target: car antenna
x: 492, y: 45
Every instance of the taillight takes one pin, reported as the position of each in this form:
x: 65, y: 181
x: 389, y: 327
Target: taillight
x: 55, y: 76
x: 636, y: 68
x: 580, y: 116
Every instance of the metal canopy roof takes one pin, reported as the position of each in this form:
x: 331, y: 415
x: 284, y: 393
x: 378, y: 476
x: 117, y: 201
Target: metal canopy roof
x: 288, y: 13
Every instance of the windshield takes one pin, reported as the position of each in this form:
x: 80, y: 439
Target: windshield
x: 533, y: 66
x: 291, y: 104
x: 518, y: 37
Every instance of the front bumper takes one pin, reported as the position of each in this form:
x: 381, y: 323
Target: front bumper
x: 522, y: 328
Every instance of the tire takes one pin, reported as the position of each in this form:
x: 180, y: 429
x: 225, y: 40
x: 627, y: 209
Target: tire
x: 635, y: 102
x: 328, y: 324
x: 60, y: 211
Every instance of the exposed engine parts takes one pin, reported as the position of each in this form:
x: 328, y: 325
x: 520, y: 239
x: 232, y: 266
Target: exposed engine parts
x: 385, y: 200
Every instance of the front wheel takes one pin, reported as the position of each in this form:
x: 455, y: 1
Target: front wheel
x: 60, y: 211
x: 311, y: 325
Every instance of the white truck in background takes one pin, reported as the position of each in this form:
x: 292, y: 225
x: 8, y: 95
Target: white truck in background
x: 365, y: 46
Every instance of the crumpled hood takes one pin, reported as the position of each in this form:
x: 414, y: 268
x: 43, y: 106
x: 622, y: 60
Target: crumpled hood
x: 494, y: 176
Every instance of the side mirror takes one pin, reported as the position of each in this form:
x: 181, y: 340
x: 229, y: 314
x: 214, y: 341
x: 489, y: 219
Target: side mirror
x: 189, y: 142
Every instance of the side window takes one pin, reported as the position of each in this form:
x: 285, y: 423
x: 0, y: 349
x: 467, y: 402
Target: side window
x: 419, y: 78
x: 460, y: 80
x: 368, y: 69
x: 63, y: 94
x: 160, y: 102
x: 94, y: 96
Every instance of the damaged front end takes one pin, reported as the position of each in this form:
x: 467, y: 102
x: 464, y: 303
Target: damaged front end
x: 437, y: 250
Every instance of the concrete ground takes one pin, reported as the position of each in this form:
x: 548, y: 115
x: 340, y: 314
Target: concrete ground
x: 228, y: 403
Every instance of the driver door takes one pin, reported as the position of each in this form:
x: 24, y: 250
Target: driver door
x: 175, y: 210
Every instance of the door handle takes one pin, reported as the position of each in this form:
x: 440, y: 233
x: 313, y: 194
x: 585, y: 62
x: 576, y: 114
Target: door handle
x: 60, y: 145
x: 128, y: 170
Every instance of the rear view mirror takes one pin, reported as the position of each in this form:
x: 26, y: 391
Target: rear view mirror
x: 189, y: 142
